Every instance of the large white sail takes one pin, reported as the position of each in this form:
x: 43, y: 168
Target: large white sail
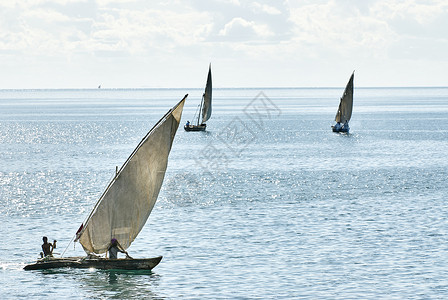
x: 207, y: 100
x: 346, y: 105
x: 124, y: 207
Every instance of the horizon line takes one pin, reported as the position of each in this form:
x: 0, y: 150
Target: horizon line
x: 218, y: 88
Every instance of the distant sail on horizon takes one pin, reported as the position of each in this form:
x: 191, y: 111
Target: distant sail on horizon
x: 205, y: 107
x: 345, y: 108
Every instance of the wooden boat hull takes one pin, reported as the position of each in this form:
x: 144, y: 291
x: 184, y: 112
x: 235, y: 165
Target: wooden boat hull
x: 195, y: 127
x: 96, y: 263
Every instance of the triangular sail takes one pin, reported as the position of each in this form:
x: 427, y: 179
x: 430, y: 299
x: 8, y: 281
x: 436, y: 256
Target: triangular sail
x: 124, y: 207
x: 207, y: 98
x: 346, y: 105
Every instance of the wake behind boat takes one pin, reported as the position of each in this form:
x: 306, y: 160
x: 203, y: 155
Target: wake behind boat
x: 345, y: 108
x: 205, y: 108
x: 125, y: 205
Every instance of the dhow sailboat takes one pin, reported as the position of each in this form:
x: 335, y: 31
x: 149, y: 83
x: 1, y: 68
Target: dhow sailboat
x: 205, y: 108
x: 125, y: 205
x: 345, y: 108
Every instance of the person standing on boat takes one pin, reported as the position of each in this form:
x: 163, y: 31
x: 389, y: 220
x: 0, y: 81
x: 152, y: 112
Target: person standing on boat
x: 47, y: 248
x: 114, y: 248
x: 188, y: 124
x: 345, y: 126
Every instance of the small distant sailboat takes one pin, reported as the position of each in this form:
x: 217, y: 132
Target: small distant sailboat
x: 122, y: 210
x: 205, y: 108
x: 345, y: 108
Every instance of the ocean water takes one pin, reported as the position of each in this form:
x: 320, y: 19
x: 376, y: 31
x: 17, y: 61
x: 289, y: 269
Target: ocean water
x: 267, y: 203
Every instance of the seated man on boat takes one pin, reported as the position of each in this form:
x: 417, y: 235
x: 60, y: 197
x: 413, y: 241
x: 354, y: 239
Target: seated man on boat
x: 47, y: 248
x: 337, y: 127
x: 114, y: 248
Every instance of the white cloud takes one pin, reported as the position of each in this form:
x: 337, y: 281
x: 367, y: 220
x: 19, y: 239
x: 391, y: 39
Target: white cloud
x: 130, y: 29
x: 239, y: 29
x: 341, y: 30
x: 280, y: 36
x: 46, y: 16
x: 422, y: 12
x: 271, y: 10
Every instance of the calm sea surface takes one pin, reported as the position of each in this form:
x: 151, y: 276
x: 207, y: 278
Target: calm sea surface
x: 268, y: 203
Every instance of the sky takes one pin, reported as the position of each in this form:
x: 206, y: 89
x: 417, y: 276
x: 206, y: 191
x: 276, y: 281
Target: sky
x: 261, y: 43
